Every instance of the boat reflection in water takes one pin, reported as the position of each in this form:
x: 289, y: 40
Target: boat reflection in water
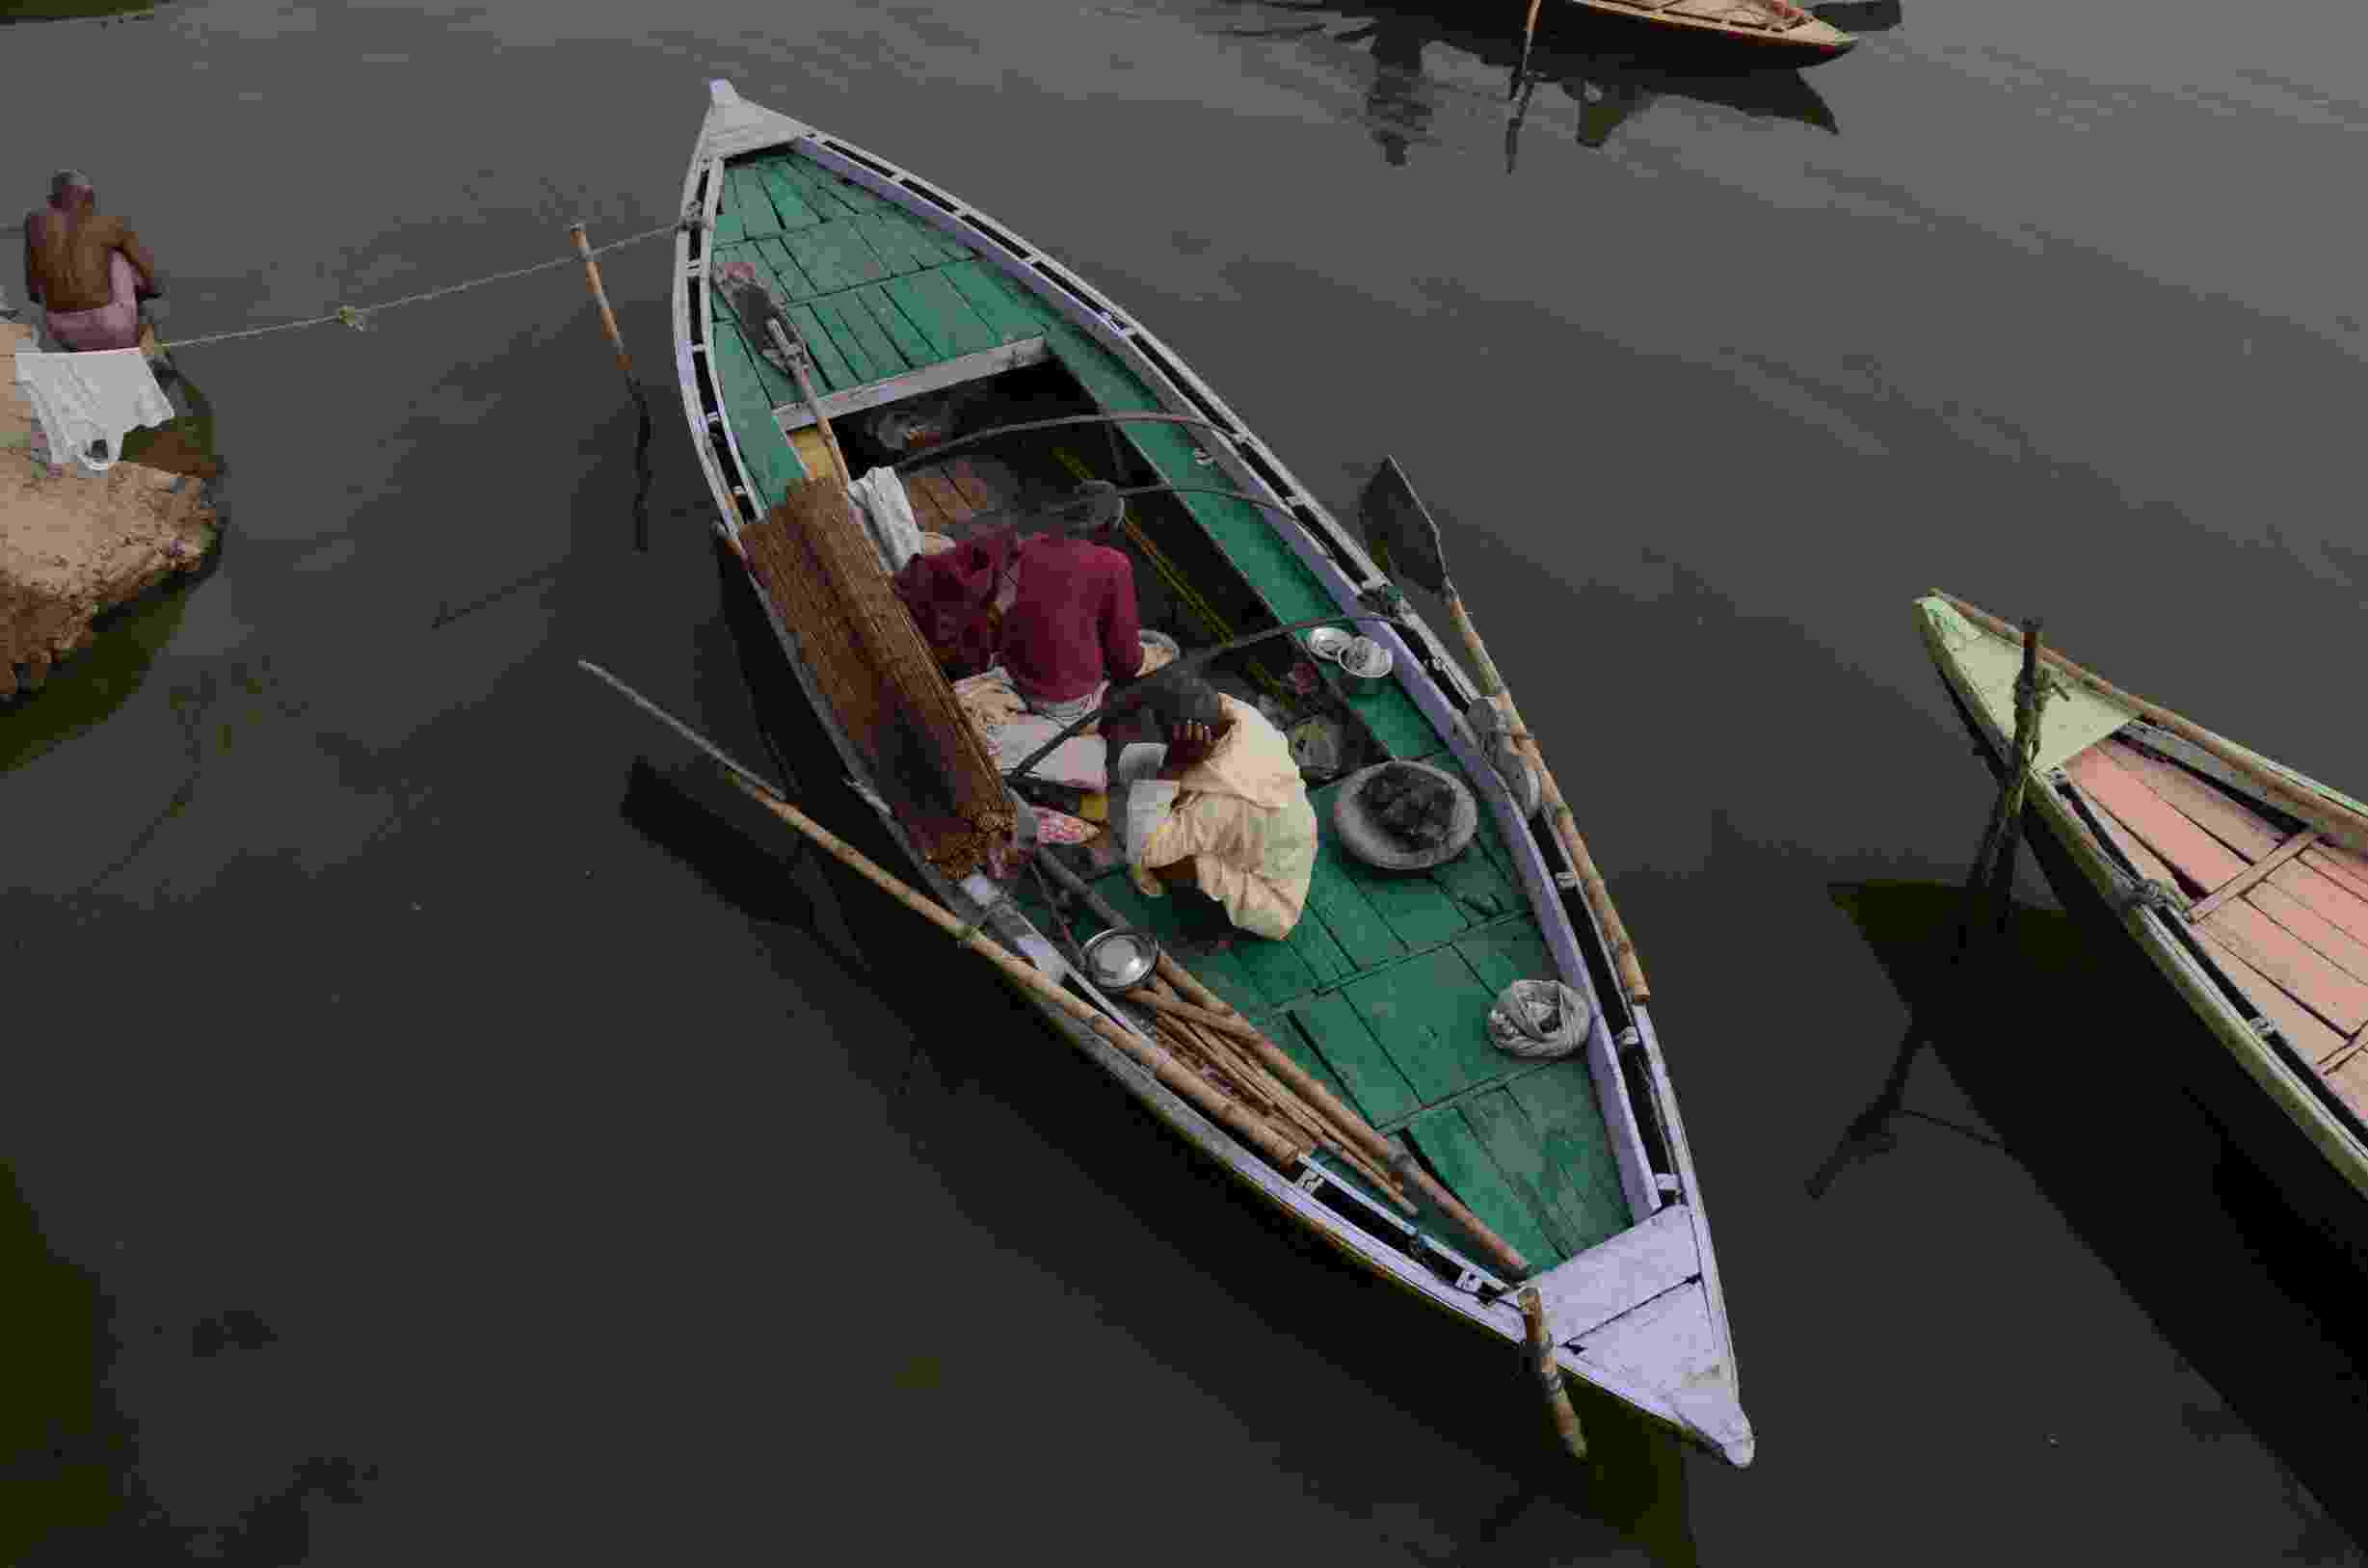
x: 1603, y: 69
x: 2249, y: 1295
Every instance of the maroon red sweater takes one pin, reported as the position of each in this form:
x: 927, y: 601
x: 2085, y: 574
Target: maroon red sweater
x: 1073, y: 622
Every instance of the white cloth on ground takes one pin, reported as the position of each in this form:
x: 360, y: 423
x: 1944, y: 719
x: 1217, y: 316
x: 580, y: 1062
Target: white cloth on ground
x: 880, y: 500
x: 81, y: 398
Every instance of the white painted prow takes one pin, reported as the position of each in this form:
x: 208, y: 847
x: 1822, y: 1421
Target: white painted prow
x: 734, y: 125
x: 1635, y: 1314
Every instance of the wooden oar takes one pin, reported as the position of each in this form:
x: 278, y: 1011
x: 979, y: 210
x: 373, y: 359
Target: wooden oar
x: 1422, y: 559
x: 1149, y: 1054
x: 2304, y: 802
x: 625, y: 362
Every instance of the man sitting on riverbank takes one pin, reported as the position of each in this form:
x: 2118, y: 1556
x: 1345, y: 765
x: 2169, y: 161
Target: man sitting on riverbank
x: 1220, y: 807
x: 86, y: 269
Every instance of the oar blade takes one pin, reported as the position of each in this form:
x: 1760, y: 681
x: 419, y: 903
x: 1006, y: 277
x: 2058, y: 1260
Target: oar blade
x: 1400, y: 529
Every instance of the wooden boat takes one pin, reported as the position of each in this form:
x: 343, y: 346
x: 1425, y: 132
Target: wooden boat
x: 906, y: 293
x: 1739, y: 33
x: 2242, y: 884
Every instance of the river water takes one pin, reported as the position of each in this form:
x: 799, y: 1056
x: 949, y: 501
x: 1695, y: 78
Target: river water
x: 447, y: 1124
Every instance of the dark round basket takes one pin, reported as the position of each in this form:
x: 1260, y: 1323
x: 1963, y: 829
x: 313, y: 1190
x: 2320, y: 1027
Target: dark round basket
x: 1369, y: 843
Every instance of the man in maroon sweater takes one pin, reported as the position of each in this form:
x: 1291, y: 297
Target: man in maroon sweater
x: 1073, y: 626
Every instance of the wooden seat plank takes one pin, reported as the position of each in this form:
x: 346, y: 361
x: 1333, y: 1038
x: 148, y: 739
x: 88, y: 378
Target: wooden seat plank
x: 750, y: 204
x: 2245, y: 831
x: 1561, y: 1104
x: 1010, y: 318
x: 2349, y: 1082
x: 911, y: 341
x: 1504, y: 1131
x: 2337, y: 946
x: 2202, y: 862
x: 953, y: 327
x: 2313, y: 1039
x: 896, y: 244
x: 2331, y: 897
x: 1471, y: 1172
x: 1430, y: 1014
x: 2343, y: 864
x: 2299, y: 969
x: 869, y: 354
x: 1274, y: 968
x: 1339, y: 1035
x: 789, y: 198
x: 825, y: 192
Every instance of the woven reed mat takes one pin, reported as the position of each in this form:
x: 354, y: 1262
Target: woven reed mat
x: 824, y: 575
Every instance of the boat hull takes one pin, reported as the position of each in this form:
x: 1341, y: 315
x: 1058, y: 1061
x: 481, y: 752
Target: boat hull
x: 2182, y: 1041
x: 1670, y: 1357
x: 1600, y: 26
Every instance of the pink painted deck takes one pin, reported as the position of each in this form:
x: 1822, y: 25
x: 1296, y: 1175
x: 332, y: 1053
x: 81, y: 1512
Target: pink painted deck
x: 2287, y: 920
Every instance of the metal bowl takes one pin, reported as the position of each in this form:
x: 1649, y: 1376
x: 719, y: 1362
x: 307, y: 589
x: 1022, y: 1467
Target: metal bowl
x: 1365, y: 667
x: 1326, y: 642
x: 1121, y: 958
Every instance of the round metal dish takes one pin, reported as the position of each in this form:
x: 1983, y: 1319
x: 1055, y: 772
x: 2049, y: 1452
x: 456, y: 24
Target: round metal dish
x: 1365, y: 666
x: 1365, y: 839
x: 1326, y: 642
x: 1121, y: 958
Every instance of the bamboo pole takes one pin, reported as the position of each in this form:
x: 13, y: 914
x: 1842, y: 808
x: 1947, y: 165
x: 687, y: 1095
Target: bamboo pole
x: 2302, y: 800
x: 1550, y: 1375
x: 1412, y: 1178
x: 1155, y: 1058
x: 1333, y: 1139
x: 624, y: 363
x: 1558, y: 815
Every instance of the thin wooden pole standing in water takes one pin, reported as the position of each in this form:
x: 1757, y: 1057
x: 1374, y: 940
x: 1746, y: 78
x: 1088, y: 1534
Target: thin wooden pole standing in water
x: 625, y: 362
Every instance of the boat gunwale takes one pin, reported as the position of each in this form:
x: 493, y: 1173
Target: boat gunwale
x: 710, y: 159
x: 2291, y: 1084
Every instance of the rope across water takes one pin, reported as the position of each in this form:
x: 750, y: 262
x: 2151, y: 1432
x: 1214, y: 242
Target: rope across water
x: 358, y: 318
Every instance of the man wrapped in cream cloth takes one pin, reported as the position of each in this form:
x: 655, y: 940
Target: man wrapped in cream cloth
x: 1219, y: 807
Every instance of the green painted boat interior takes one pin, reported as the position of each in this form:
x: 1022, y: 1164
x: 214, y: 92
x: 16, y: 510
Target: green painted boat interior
x: 1384, y: 986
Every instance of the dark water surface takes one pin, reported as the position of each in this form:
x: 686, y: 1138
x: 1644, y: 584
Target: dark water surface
x: 440, y: 1138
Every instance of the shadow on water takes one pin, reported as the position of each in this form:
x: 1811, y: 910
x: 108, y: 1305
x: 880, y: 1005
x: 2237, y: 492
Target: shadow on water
x: 71, y: 1491
x: 1605, y: 71
x: 2247, y: 1292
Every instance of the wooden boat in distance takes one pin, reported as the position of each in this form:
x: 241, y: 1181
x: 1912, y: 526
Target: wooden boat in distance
x: 916, y: 304
x: 2243, y: 883
x: 1744, y: 34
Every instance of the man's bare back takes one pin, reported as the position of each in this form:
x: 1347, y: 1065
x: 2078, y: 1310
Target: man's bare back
x: 67, y: 255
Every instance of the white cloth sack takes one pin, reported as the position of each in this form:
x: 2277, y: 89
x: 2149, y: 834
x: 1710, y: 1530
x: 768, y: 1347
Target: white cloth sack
x: 81, y: 398
x: 887, y: 512
x: 1147, y: 800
